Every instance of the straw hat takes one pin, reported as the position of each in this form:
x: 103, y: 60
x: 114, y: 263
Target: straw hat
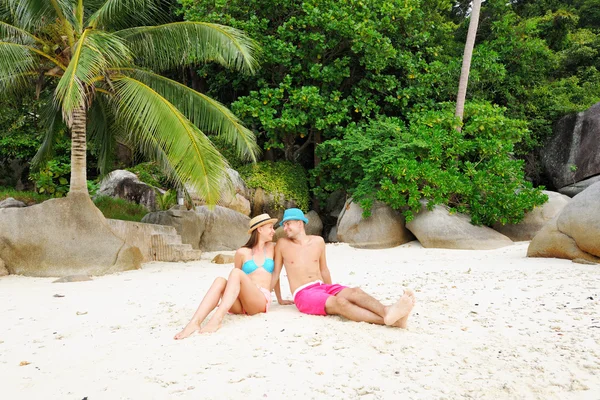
x: 259, y: 221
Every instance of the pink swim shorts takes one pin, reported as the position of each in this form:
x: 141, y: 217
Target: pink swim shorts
x: 311, y: 298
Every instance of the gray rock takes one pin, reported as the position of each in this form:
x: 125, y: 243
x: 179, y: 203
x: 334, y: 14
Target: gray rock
x: 73, y: 278
x: 188, y: 224
x: 233, y: 193
x: 575, y: 189
x: 440, y: 229
x: 575, y: 232
x: 223, y: 259
x: 126, y: 185
x: 224, y: 229
x: 273, y: 204
x: 314, y: 226
x: 332, y: 237
x: 385, y: 227
x: 534, y: 220
x: 9, y: 202
x: 60, y: 237
x: 574, y: 144
x: 3, y: 270
x: 205, y: 229
x: 550, y: 242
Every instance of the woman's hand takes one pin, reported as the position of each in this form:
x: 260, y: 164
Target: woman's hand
x: 285, y: 302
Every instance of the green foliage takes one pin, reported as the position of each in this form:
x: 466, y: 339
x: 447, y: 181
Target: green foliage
x: 27, y: 197
x: 99, y: 62
x: 166, y: 200
x: 115, y: 208
x: 53, y: 178
x: 282, y: 177
x: 152, y: 174
x: 19, y: 133
x: 328, y: 63
x: 472, y: 171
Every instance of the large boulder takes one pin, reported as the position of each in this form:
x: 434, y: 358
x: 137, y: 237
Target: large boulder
x: 440, y: 229
x: 224, y: 229
x: 12, y: 203
x: 550, y: 242
x: 3, y: 270
x: 188, y: 224
x: 571, y: 153
x: 60, y: 237
x: 578, y: 187
x: 535, y: 220
x: 205, y: 229
x: 314, y: 226
x: 233, y: 193
x: 273, y: 204
x: 575, y: 233
x: 126, y: 185
x: 383, y: 229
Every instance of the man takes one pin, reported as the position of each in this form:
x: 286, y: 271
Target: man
x: 310, y: 281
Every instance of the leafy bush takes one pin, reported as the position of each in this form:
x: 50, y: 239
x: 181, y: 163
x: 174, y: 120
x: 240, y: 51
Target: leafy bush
x: 152, y: 174
x: 53, y: 178
x: 472, y: 171
x: 120, y: 209
x: 281, y: 177
x: 166, y: 200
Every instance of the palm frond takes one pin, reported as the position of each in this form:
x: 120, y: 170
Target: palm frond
x: 13, y: 34
x: 158, y: 124
x: 93, y: 54
x: 118, y: 14
x: 52, y: 121
x: 32, y: 14
x: 17, y: 65
x: 207, y: 114
x: 167, y: 46
x: 17, y: 84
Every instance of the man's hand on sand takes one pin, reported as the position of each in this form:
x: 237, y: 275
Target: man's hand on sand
x: 286, y: 302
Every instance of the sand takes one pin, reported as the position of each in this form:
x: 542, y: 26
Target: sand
x: 487, y: 325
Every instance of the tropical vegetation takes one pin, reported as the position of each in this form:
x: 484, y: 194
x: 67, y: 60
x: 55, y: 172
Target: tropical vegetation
x: 359, y: 93
x: 98, y: 62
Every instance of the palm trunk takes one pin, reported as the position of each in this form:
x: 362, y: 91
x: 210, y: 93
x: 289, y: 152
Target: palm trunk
x: 466, y: 64
x: 78, y: 152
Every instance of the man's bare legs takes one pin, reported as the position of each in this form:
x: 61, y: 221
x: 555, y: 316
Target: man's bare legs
x: 356, y: 305
x: 208, y: 303
x: 250, y: 296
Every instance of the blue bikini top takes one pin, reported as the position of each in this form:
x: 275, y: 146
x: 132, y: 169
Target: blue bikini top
x: 250, y: 266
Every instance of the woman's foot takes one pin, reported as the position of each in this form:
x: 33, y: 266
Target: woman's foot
x: 213, y: 325
x: 187, y: 331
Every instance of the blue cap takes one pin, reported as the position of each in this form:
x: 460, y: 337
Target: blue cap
x: 293, y: 214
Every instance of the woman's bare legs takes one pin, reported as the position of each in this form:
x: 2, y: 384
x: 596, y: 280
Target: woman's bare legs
x: 208, y: 303
x: 239, y: 286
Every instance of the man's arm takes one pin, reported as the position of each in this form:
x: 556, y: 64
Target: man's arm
x: 275, y: 277
x: 323, y: 264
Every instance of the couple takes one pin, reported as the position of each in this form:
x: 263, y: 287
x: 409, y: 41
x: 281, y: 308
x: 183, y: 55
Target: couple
x: 258, y: 264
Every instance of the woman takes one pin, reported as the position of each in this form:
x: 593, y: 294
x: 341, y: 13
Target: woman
x: 248, y: 289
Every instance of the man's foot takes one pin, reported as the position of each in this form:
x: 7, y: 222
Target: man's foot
x: 187, y: 331
x: 212, y: 326
x: 397, y: 314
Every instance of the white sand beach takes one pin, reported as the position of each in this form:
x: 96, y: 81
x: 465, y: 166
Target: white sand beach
x: 487, y: 325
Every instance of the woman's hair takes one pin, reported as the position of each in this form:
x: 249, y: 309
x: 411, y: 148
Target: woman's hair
x: 253, y: 239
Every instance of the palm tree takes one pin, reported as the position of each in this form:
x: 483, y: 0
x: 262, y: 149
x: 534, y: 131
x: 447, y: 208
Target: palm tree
x: 466, y: 64
x: 101, y: 58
